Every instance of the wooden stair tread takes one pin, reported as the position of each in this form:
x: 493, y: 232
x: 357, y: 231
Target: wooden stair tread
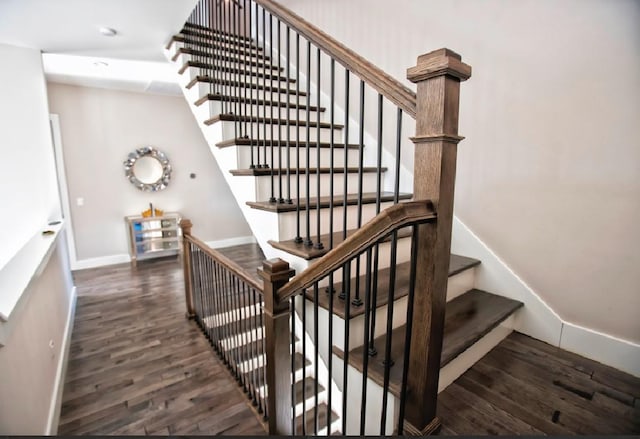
x: 255, y: 53
x: 282, y: 143
x: 457, y: 264
x: 268, y: 120
x: 207, y: 54
x: 234, y: 71
x: 310, y: 252
x: 350, y: 200
x: 234, y: 83
x: 468, y: 318
x: 253, y: 101
x: 260, y: 172
x: 323, y: 411
x: 216, y: 31
x: 195, y: 33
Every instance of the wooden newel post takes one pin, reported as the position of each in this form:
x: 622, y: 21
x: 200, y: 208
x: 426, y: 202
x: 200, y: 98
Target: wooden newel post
x: 276, y: 273
x: 187, y: 264
x: 438, y: 75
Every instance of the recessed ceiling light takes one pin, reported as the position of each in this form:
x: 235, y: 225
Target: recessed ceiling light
x: 108, y: 32
x: 100, y: 64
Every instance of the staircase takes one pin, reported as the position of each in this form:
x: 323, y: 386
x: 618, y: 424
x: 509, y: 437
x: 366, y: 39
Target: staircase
x: 304, y: 147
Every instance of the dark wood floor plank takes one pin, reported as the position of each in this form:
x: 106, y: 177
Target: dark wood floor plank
x: 507, y: 404
x: 567, y: 399
x: 137, y: 366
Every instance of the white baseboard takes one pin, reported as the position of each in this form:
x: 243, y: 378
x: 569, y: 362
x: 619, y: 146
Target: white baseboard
x: 58, y: 387
x: 604, y: 348
x: 100, y: 262
x: 537, y: 319
x: 239, y: 240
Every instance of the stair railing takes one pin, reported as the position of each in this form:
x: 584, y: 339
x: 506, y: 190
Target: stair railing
x: 223, y: 37
x: 227, y: 305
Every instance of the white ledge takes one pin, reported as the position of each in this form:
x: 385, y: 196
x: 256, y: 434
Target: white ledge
x: 18, y: 273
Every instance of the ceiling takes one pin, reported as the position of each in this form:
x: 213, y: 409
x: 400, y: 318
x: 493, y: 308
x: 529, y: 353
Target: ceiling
x: 75, y: 52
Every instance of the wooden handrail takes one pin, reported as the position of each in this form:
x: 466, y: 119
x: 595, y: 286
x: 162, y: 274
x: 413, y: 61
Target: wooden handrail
x: 387, y: 221
x: 375, y: 77
x: 226, y: 262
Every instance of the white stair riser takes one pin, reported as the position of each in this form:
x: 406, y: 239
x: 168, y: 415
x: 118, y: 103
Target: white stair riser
x: 269, y: 111
x: 220, y: 45
x: 229, y: 132
x: 287, y: 220
x: 205, y: 88
x: 219, y: 64
x: 252, y: 56
x: 193, y: 72
x: 289, y: 186
x: 244, y: 156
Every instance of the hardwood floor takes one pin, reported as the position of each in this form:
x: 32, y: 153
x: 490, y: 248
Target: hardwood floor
x: 525, y: 386
x: 137, y: 366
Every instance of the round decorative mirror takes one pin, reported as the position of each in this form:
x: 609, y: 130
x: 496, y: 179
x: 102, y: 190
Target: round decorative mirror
x: 148, y: 169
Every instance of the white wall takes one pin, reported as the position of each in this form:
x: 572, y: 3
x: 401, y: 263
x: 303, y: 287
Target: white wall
x: 549, y: 175
x: 28, y: 191
x: 32, y: 360
x: 99, y: 128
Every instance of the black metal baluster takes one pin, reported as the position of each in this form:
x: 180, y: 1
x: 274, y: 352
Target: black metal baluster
x: 230, y: 297
x: 280, y: 138
x: 264, y: 98
x: 409, y: 327
x: 304, y: 354
x: 219, y: 316
x: 316, y: 356
x: 264, y: 369
x: 330, y: 359
x: 388, y: 361
x: 217, y: 78
x: 248, y: 102
x: 342, y: 294
x: 255, y: 140
x: 396, y: 190
x: 207, y: 294
x: 357, y: 301
x: 227, y: 72
x: 288, y: 107
x: 318, y: 245
x: 365, y: 355
x: 292, y: 314
x: 245, y: 344
x: 242, y: 337
x: 248, y: 31
x: 273, y: 197
x: 308, y: 242
x: 226, y: 312
x: 260, y: 353
x: 298, y: 238
x: 254, y: 351
x: 231, y: 41
x: 347, y: 317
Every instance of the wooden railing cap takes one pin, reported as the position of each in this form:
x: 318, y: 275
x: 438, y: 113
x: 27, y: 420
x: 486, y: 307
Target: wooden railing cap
x: 438, y: 63
x: 186, y: 225
x: 276, y: 269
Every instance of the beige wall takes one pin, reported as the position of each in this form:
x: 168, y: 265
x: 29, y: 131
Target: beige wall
x: 99, y: 129
x: 549, y: 176
x: 28, y: 193
x: 30, y: 360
